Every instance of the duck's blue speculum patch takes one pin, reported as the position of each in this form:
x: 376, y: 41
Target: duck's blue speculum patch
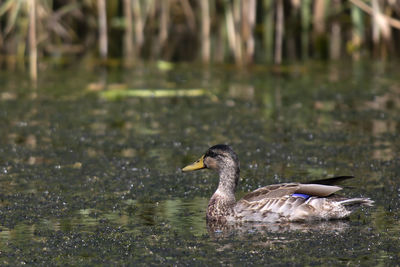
x: 301, y: 195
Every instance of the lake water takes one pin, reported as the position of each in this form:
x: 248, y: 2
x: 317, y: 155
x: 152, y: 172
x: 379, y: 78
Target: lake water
x: 90, y: 162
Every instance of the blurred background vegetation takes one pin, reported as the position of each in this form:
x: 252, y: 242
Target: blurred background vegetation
x: 215, y: 31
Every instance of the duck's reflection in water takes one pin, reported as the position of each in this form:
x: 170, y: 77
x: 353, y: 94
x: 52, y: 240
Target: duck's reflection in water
x: 218, y: 229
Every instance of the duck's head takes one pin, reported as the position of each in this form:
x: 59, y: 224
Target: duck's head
x: 220, y: 158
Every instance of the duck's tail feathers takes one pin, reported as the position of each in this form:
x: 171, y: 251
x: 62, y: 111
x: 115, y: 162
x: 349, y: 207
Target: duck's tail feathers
x: 331, y: 181
x: 355, y: 202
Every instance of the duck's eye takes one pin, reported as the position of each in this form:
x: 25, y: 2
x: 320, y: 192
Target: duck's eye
x: 211, y: 154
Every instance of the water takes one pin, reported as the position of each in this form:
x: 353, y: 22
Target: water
x: 91, y: 180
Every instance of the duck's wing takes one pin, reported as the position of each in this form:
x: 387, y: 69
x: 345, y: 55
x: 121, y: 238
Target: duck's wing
x: 282, y: 190
x: 318, y: 190
x: 271, y: 191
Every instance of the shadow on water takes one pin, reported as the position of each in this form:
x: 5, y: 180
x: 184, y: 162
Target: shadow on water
x: 86, y: 178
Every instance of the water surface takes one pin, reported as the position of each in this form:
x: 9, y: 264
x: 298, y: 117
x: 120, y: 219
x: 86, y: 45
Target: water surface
x: 86, y: 179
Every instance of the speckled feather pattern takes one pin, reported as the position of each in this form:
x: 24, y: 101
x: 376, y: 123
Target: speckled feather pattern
x: 288, y: 209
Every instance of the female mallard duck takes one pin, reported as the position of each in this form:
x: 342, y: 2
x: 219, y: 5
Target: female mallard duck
x: 288, y: 202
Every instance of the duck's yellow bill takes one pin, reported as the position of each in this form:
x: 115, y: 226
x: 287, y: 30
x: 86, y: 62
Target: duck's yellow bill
x: 197, y: 165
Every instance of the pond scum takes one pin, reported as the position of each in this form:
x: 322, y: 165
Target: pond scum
x: 239, y: 31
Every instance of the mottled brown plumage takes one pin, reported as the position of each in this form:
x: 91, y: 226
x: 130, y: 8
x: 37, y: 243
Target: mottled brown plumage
x: 274, y: 203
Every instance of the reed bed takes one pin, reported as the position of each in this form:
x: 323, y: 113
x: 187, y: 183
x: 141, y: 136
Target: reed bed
x: 215, y: 31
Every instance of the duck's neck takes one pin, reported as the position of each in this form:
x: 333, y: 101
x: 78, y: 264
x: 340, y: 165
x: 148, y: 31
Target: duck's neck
x: 222, y: 202
x: 228, y: 180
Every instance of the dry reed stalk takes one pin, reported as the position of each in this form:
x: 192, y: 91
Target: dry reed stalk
x: 219, y: 50
x: 128, y: 36
x: 248, y: 24
x: 32, y: 41
x: 320, y: 36
x: 230, y: 28
x: 163, y: 35
x: 237, y: 18
x: 189, y: 14
x: 232, y: 20
x: 336, y: 39
x: 102, y: 19
x: 380, y: 27
x: 319, y: 15
x: 205, y: 31
x: 149, y: 10
x: 375, y: 25
x: 357, y: 38
x: 381, y: 24
x: 139, y: 25
x: 366, y: 8
x: 279, y: 32
x: 1, y: 34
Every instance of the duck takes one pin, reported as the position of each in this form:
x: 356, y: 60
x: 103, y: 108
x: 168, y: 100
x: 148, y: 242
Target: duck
x: 277, y: 203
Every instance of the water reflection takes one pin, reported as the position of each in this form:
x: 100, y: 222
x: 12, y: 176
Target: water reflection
x: 226, y: 230
x: 386, y: 104
x: 19, y: 234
